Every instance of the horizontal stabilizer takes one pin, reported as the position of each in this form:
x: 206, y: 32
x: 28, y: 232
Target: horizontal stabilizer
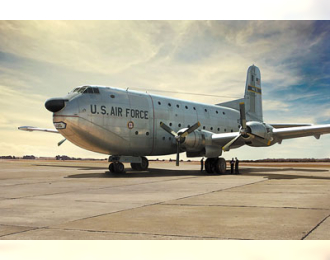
x: 232, y: 104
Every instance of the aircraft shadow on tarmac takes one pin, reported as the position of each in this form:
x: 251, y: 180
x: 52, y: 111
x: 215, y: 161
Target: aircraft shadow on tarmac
x: 270, y: 173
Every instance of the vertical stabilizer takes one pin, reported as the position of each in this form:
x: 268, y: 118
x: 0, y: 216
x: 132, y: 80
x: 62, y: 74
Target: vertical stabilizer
x: 252, y: 96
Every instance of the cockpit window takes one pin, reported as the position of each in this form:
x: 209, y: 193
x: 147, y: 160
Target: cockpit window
x: 87, y: 89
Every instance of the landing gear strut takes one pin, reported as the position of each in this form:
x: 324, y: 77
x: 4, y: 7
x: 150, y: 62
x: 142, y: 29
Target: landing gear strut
x: 217, y: 165
x: 137, y: 163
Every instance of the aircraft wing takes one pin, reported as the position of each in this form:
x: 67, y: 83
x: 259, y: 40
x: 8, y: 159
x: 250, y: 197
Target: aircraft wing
x: 32, y: 128
x: 223, y: 139
x: 288, y: 125
x: 295, y: 132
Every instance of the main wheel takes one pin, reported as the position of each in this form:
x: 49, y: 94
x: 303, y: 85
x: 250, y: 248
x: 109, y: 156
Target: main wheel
x: 134, y: 166
x: 119, y: 167
x: 111, y: 168
x: 209, y: 165
x: 144, y: 164
x: 220, y: 166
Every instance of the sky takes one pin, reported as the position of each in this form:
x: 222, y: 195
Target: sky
x: 44, y: 59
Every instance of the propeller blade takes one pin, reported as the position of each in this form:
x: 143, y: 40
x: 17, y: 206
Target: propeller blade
x: 61, y: 142
x: 168, y: 129
x: 191, y: 129
x: 226, y: 147
x: 242, y: 114
x: 178, y: 153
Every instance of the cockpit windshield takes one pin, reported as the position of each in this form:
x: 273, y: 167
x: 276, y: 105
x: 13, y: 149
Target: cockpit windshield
x: 86, y: 89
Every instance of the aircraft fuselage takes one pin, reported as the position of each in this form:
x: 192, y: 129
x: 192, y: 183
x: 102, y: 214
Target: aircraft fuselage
x: 123, y: 122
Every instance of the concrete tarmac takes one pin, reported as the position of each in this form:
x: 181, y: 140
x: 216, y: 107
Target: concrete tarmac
x: 82, y: 200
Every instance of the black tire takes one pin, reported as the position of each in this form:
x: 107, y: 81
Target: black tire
x: 119, y: 167
x: 220, y: 166
x: 111, y: 168
x: 144, y: 164
x: 134, y: 166
x: 209, y: 165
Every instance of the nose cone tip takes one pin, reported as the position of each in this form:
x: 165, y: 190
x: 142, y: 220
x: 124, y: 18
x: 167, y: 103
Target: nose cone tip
x: 55, y: 104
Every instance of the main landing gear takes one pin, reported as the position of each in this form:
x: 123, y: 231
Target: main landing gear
x: 215, y: 165
x: 137, y: 163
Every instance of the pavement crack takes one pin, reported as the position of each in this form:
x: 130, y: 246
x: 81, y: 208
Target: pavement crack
x: 303, y: 238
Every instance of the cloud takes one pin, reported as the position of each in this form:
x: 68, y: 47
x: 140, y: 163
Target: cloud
x: 42, y: 59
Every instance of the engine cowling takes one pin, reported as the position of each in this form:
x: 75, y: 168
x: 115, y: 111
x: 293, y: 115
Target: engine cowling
x: 262, y: 133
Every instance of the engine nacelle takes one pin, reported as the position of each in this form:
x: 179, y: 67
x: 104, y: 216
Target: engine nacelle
x: 196, y: 141
x: 262, y: 132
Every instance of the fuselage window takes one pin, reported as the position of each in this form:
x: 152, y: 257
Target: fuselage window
x: 194, y: 108
x: 205, y: 110
x: 147, y: 133
x: 177, y: 106
x: 231, y: 130
x: 159, y: 103
x: 179, y: 125
x: 211, y: 128
x: 223, y: 113
x: 169, y: 104
x: 164, y: 138
x: 225, y: 130
x: 186, y: 107
x: 218, y: 129
x: 136, y: 132
x: 112, y: 96
x: 217, y: 112
x: 170, y: 124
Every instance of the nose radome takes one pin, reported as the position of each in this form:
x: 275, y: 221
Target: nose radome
x: 55, y: 104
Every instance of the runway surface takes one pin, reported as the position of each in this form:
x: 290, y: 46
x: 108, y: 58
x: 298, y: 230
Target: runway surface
x: 81, y: 200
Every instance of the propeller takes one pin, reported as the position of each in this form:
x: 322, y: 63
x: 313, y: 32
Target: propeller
x: 179, y: 137
x: 243, y: 130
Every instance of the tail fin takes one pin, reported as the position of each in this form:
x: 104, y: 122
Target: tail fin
x: 252, y: 97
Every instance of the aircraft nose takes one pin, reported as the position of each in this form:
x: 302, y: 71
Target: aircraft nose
x: 55, y: 104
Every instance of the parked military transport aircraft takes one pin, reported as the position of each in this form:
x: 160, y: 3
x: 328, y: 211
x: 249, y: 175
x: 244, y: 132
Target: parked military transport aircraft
x: 129, y: 125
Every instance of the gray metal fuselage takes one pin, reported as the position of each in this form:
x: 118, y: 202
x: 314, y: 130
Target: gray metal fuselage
x: 124, y: 122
